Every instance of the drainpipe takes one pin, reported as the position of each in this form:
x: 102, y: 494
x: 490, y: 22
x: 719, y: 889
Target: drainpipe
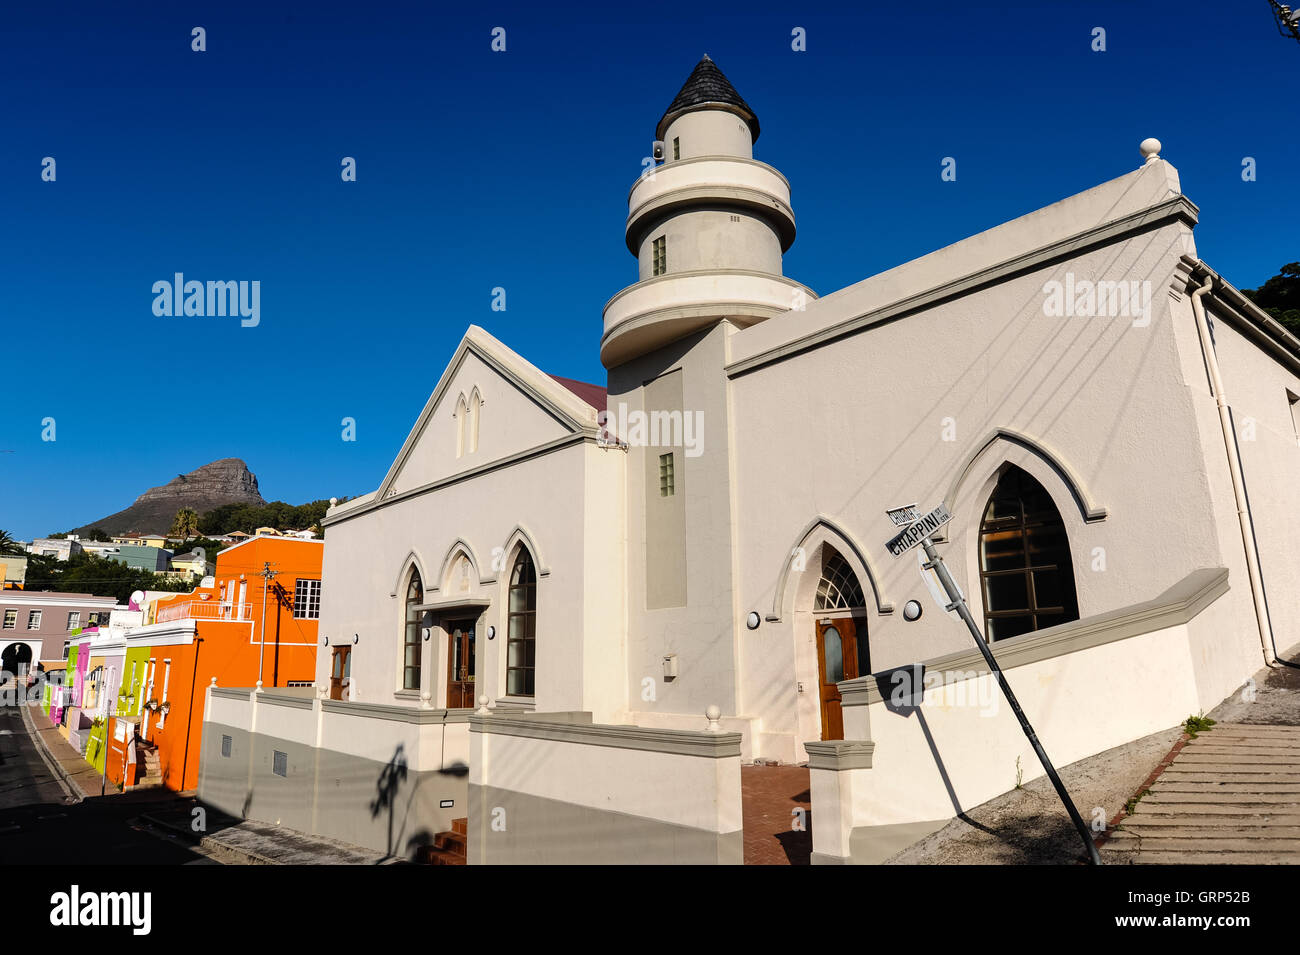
x: 1234, y: 468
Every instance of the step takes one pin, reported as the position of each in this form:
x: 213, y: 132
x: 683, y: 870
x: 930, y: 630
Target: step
x: 451, y: 842
x: 1146, y: 831
x: 1224, y: 842
x: 430, y: 855
x: 460, y: 825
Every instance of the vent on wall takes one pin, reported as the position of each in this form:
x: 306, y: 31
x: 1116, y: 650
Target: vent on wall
x: 226, y: 744
x: 280, y: 763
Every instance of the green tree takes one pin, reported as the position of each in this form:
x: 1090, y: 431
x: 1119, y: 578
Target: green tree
x: 98, y: 534
x: 186, y: 523
x: 9, y: 546
x: 1280, y: 296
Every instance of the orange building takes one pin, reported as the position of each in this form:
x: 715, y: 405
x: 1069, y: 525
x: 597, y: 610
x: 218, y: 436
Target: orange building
x: 256, y: 622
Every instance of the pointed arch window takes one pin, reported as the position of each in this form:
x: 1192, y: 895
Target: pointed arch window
x: 838, y: 588
x: 1025, y: 565
x: 461, y: 416
x: 411, y: 633
x: 522, y: 628
x: 471, y: 423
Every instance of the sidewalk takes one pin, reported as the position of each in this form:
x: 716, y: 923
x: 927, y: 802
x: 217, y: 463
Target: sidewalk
x: 78, y: 778
x: 233, y: 841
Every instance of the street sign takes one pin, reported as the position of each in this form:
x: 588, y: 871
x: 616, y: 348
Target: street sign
x: 919, y: 531
x: 903, y: 516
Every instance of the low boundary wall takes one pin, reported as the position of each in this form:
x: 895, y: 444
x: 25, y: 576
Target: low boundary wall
x: 555, y: 788
x: 387, y: 778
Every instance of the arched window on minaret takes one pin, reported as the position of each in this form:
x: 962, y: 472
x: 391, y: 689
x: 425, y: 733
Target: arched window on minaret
x: 460, y: 416
x: 1025, y: 565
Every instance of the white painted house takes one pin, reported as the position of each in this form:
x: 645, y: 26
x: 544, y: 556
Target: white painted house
x: 1111, y: 424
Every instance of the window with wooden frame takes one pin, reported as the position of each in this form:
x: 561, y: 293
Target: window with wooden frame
x: 660, y: 247
x: 521, y: 642
x: 411, y: 633
x: 1025, y: 565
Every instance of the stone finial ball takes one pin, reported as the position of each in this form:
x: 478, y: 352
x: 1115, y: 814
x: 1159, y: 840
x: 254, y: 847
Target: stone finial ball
x: 1150, y: 149
x: 713, y: 713
x: 334, y: 501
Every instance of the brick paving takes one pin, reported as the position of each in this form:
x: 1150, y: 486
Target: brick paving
x: 769, y: 796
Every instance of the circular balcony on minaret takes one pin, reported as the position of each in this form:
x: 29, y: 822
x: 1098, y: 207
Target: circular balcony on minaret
x: 653, y: 313
x: 710, y: 181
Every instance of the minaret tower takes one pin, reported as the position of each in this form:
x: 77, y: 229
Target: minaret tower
x: 708, y: 226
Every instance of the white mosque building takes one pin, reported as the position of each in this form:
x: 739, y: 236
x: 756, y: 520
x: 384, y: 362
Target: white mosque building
x: 569, y: 613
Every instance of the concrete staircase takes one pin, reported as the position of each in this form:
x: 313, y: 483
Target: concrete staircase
x: 147, y: 755
x: 449, y: 848
x: 1232, y: 795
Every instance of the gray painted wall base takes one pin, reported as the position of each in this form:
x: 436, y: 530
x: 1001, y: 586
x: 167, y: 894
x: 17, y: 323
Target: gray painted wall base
x: 538, y: 831
x: 872, y: 845
x: 388, y: 807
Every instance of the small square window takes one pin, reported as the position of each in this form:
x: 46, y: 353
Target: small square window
x: 11, y: 619
x: 280, y: 763
x: 666, y: 484
x: 74, y: 619
x: 226, y: 745
x: 34, y: 620
x: 660, y: 256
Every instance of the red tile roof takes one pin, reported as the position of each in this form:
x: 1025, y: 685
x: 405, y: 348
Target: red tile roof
x: 594, y: 395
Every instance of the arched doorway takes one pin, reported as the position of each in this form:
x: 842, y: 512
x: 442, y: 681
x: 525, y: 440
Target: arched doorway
x: 842, y: 652
x: 16, y: 659
x: 1026, y: 571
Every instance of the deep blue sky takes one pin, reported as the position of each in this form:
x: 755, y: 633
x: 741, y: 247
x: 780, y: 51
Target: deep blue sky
x: 479, y: 169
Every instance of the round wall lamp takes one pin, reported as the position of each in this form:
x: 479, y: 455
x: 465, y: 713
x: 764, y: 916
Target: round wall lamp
x: 492, y: 632
x: 326, y: 642
x: 912, y: 610
x: 427, y: 632
x: 356, y: 638
x: 753, y: 620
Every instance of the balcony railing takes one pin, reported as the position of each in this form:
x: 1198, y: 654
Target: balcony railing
x: 204, y: 610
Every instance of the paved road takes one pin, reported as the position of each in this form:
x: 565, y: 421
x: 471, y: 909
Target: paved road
x: 39, y: 824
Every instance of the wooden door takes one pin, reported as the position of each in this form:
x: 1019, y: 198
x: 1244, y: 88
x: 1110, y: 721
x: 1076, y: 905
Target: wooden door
x: 460, y: 664
x: 840, y: 656
x: 340, y: 672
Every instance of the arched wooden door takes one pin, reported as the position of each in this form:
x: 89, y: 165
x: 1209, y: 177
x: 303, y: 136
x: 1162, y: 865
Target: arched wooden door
x: 838, y: 659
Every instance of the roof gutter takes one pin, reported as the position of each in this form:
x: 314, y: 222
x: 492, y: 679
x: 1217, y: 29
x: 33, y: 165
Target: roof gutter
x: 1263, y: 624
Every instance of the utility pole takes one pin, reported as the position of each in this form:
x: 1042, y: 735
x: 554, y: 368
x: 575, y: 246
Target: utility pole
x: 267, y: 575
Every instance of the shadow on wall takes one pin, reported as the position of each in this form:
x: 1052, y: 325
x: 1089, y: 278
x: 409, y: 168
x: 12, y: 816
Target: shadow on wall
x: 387, y: 800
x: 390, y: 780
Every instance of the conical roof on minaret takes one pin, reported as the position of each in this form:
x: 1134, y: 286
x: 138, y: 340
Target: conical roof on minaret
x: 707, y: 88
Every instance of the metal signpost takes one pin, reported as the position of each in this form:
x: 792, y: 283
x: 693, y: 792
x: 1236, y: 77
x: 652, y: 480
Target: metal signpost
x: 918, y: 531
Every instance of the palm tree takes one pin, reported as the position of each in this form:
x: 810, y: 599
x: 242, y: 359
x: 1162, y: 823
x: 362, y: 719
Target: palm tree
x: 9, y: 546
x: 186, y: 524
